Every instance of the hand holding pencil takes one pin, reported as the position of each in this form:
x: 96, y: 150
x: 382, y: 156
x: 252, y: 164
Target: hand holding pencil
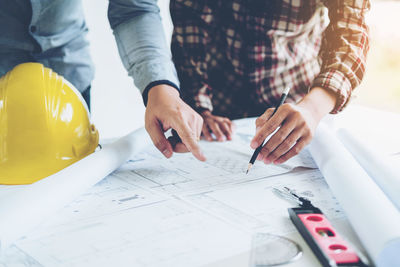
x: 296, y: 123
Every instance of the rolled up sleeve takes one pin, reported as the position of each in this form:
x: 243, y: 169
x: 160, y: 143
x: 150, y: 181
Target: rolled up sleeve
x: 140, y: 38
x: 344, y: 49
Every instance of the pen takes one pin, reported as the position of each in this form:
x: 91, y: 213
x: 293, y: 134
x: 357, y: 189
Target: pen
x: 258, y: 149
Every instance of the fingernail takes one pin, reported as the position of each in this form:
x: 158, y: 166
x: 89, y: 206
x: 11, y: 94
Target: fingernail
x: 202, y: 155
x: 253, y: 144
x: 166, y: 153
x: 277, y: 162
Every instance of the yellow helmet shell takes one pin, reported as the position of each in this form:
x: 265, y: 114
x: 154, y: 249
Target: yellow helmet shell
x: 44, y: 124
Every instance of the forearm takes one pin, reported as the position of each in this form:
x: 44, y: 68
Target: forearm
x: 141, y: 42
x: 319, y: 102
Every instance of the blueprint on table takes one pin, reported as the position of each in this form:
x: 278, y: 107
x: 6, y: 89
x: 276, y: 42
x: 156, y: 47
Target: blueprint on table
x: 176, y: 212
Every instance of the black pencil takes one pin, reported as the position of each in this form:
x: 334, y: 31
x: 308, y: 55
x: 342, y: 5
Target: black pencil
x: 258, y: 149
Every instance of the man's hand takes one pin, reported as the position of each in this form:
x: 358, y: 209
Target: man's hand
x: 221, y: 127
x: 297, y: 126
x: 166, y: 110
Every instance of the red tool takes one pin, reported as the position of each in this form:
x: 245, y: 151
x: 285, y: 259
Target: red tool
x: 328, y: 246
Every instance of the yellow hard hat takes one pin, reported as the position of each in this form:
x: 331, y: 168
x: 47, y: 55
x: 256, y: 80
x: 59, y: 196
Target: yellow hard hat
x: 44, y: 124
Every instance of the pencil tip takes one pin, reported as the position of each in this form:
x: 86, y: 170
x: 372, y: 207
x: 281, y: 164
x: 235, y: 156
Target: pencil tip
x: 249, y: 167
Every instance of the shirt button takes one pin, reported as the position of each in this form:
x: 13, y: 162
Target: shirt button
x: 33, y: 28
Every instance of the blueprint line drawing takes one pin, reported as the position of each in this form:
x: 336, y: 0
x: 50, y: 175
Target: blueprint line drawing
x: 176, y: 212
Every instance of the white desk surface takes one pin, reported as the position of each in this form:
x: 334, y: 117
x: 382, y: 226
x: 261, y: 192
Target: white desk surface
x: 382, y: 129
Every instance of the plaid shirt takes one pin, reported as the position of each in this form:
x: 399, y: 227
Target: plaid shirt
x: 235, y: 57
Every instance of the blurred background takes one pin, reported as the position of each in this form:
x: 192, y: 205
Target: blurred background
x: 117, y: 106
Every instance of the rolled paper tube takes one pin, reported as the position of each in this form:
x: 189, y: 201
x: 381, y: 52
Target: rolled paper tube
x: 27, y: 208
x: 372, y: 215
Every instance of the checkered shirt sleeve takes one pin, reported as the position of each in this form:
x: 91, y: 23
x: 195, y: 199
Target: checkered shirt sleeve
x: 344, y: 49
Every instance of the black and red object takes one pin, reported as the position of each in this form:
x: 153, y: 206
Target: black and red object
x: 325, y: 242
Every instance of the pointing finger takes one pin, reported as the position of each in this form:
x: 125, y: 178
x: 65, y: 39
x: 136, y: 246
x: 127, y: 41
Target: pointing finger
x: 189, y: 139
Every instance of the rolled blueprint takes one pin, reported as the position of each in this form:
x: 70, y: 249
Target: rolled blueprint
x: 32, y: 205
x: 372, y: 215
x: 385, y: 175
